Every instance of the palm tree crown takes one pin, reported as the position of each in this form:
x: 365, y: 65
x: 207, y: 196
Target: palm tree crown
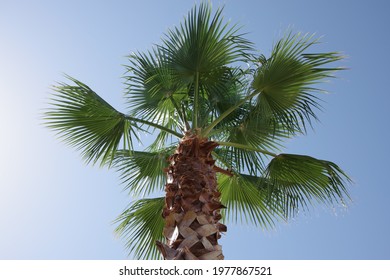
x: 206, y: 80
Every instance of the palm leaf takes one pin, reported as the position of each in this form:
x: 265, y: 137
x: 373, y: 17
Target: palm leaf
x: 297, y: 181
x: 285, y: 81
x: 204, y: 43
x: 221, y: 91
x: 255, y: 130
x: 142, y: 172
x: 84, y: 120
x: 152, y: 90
x: 164, y: 138
x: 199, y: 51
x: 244, y: 201
x: 239, y: 159
x: 141, y: 225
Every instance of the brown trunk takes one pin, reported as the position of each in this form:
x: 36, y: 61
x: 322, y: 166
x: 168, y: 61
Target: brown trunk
x: 192, y: 205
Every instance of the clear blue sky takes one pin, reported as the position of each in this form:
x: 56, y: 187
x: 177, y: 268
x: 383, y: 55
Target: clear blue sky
x: 52, y: 206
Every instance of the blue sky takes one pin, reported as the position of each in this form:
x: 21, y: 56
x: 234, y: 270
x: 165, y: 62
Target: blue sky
x: 52, y: 206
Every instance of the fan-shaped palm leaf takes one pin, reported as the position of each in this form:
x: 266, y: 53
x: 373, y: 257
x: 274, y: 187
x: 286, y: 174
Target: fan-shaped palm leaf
x: 141, y: 225
x: 142, y: 172
x: 199, y: 51
x: 286, y: 81
x: 244, y: 200
x: 83, y: 119
x: 154, y: 91
x: 297, y: 181
x: 203, y: 44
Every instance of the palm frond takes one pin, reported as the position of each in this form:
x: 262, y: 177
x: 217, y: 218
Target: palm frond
x: 164, y: 138
x: 141, y: 225
x: 240, y: 160
x: 142, y: 172
x: 286, y: 81
x: 297, y: 181
x: 244, y: 201
x: 84, y: 120
x: 199, y: 51
x: 255, y: 130
x: 153, y: 91
x: 222, y: 91
x: 204, y: 43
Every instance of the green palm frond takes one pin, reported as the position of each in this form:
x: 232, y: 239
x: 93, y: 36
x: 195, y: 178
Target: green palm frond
x: 164, y: 138
x: 255, y: 130
x: 286, y: 81
x: 190, y: 73
x: 199, y: 51
x: 297, y: 181
x: 244, y: 201
x: 84, y: 120
x: 222, y: 93
x: 204, y: 43
x: 141, y: 225
x: 153, y: 92
x: 240, y: 160
x: 142, y: 172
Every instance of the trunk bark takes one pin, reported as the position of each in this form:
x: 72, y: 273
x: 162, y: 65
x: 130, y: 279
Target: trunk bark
x: 192, y: 204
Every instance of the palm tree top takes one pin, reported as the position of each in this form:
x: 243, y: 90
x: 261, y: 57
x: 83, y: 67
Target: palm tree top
x: 206, y: 79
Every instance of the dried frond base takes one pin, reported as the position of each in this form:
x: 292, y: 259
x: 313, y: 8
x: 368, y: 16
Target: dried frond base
x: 192, y: 205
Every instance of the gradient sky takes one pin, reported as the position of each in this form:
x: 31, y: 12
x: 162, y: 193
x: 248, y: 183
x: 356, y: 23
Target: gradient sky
x: 52, y: 206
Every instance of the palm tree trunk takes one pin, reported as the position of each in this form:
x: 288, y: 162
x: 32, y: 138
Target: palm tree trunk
x: 192, y: 204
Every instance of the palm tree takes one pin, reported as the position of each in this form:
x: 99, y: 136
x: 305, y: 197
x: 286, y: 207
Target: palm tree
x: 219, y: 112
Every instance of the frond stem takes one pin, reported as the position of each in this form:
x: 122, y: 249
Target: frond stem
x: 181, y: 114
x: 245, y: 147
x: 196, y: 102
x: 163, y: 128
